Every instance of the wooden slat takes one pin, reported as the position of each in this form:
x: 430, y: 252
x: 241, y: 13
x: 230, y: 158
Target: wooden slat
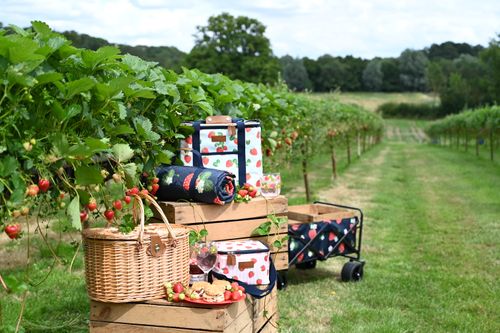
x: 105, y: 327
x: 317, y: 213
x: 153, y: 315
x: 190, y: 213
x: 234, y: 229
x: 263, y: 311
x: 280, y: 260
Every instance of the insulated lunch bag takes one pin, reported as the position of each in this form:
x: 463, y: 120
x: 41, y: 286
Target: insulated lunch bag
x: 223, y: 143
x: 247, y: 262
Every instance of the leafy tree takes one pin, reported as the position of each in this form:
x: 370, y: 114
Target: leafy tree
x: 373, y: 76
x: 353, y: 77
x: 491, y: 59
x: 313, y: 72
x: 451, y: 50
x: 235, y: 46
x: 412, y: 66
x: 390, y: 71
x: 331, y: 72
x: 294, y: 73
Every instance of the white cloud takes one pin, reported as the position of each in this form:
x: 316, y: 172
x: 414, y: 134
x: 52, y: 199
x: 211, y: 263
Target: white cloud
x: 297, y: 27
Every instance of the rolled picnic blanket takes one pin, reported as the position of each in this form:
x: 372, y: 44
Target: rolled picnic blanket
x: 195, y: 184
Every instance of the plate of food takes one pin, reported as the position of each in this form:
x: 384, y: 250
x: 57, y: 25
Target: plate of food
x: 220, y: 292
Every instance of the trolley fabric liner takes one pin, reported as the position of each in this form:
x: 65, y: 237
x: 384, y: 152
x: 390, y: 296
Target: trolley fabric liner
x: 321, y: 240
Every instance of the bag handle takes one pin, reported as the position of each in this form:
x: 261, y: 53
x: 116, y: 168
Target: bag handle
x: 138, y: 203
x: 251, y: 289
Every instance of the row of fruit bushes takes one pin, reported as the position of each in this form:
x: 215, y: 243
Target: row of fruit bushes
x: 81, y: 129
x: 480, y: 125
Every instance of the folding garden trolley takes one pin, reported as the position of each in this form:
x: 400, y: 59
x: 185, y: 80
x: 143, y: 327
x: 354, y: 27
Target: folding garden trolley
x: 325, y: 230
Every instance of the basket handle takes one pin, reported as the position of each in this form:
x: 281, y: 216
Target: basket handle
x: 138, y: 202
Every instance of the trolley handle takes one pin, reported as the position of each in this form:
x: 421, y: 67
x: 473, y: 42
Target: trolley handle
x: 341, y: 206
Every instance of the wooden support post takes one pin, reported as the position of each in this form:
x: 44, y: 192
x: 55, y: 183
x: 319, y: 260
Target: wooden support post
x: 348, y: 147
x: 334, y: 162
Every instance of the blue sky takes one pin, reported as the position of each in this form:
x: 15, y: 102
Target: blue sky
x: 300, y: 28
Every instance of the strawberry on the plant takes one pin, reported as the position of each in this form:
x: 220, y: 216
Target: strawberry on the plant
x: 44, y: 184
x: 32, y: 190
x: 117, y: 204
x: 288, y: 141
x: 117, y: 178
x: 83, y: 216
x: 127, y: 199
x: 16, y: 213
x: 156, y: 180
x: 154, y: 188
x: 28, y: 146
x: 133, y: 191
x: 109, y: 214
x: 25, y: 211
x: 13, y: 230
x: 92, y: 205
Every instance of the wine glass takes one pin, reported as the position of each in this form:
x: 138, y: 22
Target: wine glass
x: 270, y: 185
x: 205, y: 256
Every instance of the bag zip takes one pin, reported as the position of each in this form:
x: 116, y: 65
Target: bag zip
x: 243, y: 251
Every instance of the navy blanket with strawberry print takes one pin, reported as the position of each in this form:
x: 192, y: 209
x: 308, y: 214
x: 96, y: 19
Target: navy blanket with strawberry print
x: 319, y: 240
x: 195, y: 184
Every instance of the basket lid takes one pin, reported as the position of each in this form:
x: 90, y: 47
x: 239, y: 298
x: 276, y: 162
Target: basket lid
x: 112, y: 233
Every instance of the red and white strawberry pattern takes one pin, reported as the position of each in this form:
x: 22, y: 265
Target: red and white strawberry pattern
x: 227, y: 162
x: 259, y: 274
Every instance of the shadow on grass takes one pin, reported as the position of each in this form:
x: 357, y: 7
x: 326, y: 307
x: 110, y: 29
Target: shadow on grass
x: 300, y: 276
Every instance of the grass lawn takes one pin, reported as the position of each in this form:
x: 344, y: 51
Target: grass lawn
x: 431, y: 245
x: 371, y: 100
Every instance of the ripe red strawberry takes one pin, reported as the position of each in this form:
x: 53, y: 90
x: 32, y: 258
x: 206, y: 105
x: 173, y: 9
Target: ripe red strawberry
x: 235, y: 296
x: 253, y: 194
x: 32, y: 190
x: 178, y: 288
x: 83, y: 216
x: 133, y: 191
x: 229, y: 163
x: 144, y: 192
x: 156, y: 180
x: 227, y: 295
x: 117, y: 204
x: 154, y: 188
x: 44, y: 184
x: 234, y: 286
x: 92, y: 205
x: 13, y: 230
x: 127, y: 199
x: 187, y: 181
x: 109, y: 214
x: 187, y: 158
x: 253, y: 151
x: 243, y: 193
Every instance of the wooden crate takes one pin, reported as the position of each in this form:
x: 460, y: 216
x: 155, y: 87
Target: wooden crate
x: 316, y: 213
x: 235, y: 221
x: 192, y: 213
x: 157, y: 316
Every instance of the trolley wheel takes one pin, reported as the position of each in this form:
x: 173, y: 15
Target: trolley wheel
x: 282, y: 280
x: 306, y: 265
x: 352, y: 271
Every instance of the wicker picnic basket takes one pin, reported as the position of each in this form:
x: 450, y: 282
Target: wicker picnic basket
x: 132, y: 267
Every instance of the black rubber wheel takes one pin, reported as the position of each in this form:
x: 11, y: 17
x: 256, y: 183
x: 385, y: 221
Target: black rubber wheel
x: 282, y: 280
x: 352, y: 271
x: 306, y: 265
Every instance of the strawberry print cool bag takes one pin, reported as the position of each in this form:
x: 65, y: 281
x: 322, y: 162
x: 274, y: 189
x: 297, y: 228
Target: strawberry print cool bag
x: 247, y: 262
x: 225, y: 143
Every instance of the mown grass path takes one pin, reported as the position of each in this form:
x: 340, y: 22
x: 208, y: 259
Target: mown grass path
x: 431, y: 244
